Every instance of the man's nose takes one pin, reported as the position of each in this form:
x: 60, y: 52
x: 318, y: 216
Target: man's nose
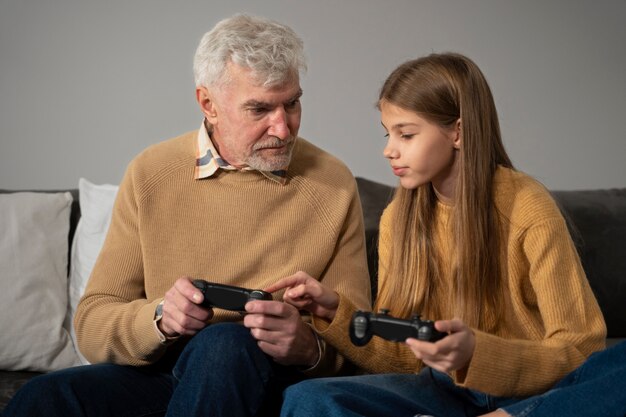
x: 279, y: 126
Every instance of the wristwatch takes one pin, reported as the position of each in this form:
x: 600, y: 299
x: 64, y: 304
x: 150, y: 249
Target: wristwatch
x: 158, y: 315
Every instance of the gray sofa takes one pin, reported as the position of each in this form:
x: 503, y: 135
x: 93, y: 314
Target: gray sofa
x: 597, y: 220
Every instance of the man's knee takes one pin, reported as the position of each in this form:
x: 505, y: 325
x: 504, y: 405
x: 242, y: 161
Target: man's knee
x: 223, y: 339
x: 101, y: 389
x: 73, y: 381
x: 46, y: 383
x: 221, y: 347
x: 54, y: 393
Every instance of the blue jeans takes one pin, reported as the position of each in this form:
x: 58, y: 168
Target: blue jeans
x: 596, y: 388
x: 221, y: 372
x: 395, y: 395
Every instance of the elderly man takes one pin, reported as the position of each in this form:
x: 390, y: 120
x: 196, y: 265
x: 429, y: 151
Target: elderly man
x: 242, y: 201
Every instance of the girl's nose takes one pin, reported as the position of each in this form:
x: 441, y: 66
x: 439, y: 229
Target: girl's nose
x: 390, y: 152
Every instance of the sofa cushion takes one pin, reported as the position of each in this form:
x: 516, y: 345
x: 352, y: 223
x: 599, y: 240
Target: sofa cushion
x: 33, y: 265
x: 96, y: 202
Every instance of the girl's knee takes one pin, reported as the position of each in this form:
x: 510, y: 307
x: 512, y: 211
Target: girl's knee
x: 314, y: 391
x: 303, y: 399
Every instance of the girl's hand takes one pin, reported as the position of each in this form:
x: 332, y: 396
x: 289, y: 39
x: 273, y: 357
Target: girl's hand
x: 451, y: 353
x: 306, y: 293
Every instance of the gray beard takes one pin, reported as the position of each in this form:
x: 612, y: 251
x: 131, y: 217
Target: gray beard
x: 274, y: 163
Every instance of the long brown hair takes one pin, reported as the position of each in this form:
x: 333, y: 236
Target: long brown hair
x: 444, y: 88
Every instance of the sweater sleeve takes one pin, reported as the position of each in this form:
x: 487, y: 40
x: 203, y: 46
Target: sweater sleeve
x: 348, y: 275
x: 114, y: 320
x: 379, y: 355
x: 573, y: 326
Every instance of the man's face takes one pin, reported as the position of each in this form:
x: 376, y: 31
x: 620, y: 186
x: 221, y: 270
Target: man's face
x: 253, y: 125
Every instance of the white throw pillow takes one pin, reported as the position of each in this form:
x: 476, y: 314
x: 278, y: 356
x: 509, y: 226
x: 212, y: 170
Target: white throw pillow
x: 34, y: 230
x: 96, y: 205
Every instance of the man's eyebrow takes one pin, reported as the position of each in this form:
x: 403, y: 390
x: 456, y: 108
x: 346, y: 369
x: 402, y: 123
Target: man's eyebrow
x: 297, y: 95
x: 255, y: 104
x: 262, y: 104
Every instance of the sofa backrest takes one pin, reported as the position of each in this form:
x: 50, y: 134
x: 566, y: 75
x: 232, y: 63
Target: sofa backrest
x: 597, y: 221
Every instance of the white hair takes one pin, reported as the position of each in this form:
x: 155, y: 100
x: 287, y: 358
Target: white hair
x: 273, y: 51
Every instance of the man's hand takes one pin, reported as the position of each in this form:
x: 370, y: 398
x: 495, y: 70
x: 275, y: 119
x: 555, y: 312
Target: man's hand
x: 451, y: 353
x: 306, y: 293
x: 281, y: 333
x: 182, y: 314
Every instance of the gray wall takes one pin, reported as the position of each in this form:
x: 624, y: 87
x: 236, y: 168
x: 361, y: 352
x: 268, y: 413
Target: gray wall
x: 86, y: 85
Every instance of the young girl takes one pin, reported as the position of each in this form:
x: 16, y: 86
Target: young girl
x: 467, y: 241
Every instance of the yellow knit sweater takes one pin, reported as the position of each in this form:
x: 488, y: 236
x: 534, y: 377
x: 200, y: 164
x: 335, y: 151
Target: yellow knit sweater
x: 236, y: 227
x: 553, y: 321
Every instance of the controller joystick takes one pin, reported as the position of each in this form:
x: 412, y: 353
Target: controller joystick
x: 364, y: 325
x: 359, y: 327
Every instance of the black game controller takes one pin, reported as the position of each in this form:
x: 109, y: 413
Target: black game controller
x: 228, y: 297
x: 364, y: 325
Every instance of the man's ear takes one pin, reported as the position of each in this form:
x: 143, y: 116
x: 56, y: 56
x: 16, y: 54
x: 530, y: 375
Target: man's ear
x: 457, y: 135
x: 206, y: 103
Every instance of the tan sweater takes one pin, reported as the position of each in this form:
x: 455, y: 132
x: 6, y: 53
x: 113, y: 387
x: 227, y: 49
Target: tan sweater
x: 236, y: 227
x: 553, y: 321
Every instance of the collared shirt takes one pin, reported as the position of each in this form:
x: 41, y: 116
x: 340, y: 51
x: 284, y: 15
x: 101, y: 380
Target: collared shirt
x: 208, y: 160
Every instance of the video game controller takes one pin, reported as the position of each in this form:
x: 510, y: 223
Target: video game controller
x: 228, y: 297
x: 364, y: 325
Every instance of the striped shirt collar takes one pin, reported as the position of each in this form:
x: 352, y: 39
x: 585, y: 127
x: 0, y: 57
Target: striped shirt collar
x: 208, y: 160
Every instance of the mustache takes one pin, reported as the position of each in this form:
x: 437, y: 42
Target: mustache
x: 273, y: 142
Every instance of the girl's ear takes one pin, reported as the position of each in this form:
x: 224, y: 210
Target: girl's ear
x: 457, y: 135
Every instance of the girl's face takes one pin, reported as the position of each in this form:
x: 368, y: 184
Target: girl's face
x: 420, y: 151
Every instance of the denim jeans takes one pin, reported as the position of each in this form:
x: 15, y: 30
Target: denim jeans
x: 596, y: 388
x: 221, y: 372
x: 394, y: 395
x: 93, y: 390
